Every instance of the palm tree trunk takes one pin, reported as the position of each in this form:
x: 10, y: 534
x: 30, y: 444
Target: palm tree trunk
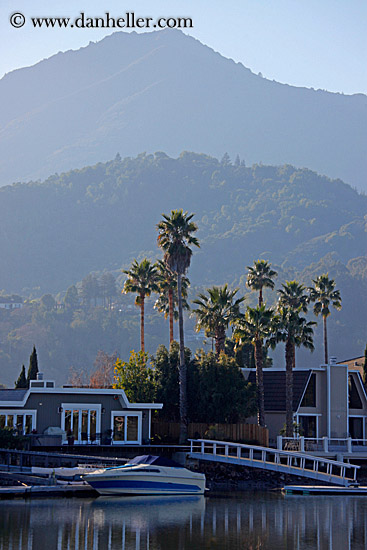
x: 220, y: 338
x: 289, y: 360
x: 142, y: 343
x: 182, y: 368
x: 260, y: 297
x: 259, y: 382
x: 325, y: 342
x: 170, y: 307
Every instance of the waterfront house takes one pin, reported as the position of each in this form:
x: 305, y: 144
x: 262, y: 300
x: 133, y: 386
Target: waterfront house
x: 76, y: 415
x: 328, y: 401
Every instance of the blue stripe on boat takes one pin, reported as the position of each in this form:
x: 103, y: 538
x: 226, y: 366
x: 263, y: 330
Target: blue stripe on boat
x: 148, y: 485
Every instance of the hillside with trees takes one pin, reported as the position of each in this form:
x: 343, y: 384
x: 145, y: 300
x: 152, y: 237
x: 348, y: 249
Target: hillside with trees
x: 66, y: 241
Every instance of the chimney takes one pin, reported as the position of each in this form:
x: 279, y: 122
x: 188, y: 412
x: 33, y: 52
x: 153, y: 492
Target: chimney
x: 333, y: 360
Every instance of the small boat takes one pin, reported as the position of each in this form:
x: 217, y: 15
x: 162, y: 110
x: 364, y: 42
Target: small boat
x: 147, y: 475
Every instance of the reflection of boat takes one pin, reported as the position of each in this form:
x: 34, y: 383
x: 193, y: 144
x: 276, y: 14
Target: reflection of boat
x: 147, y: 512
x: 147, y: 475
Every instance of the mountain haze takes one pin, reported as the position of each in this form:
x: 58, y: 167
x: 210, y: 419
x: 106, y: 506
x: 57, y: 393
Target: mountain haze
x: 101, y: 217
x: 55, y: 233
x: 166, y: 91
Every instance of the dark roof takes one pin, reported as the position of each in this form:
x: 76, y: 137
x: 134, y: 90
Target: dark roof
x: 274, y: 388
x: 12, y: 395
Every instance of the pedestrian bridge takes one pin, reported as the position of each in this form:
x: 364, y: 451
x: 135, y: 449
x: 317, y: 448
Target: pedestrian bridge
x: 266, y: 458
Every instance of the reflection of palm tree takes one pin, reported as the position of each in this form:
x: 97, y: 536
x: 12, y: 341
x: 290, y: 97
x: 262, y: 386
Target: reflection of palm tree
x: 142, y: 280
x: 255, y: 326
x: 216, y: 311
x: 260, y: 276
x: 167, y: 301
x: 324, y: 294
x: 175, y: 238
x: 294, y: 330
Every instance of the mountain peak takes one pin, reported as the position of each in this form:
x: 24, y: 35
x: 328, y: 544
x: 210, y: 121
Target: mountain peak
x: 164, y: 90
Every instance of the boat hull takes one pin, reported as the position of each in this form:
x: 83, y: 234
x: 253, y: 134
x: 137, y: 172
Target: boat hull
x: 147, y: 475
x: 147, y: 487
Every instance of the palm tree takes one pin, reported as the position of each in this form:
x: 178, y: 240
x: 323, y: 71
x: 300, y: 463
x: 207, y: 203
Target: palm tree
x: 323, y: 294
x: 260, y: 276
x: 175, y: 238
x: 216, y: 311
x: 256, y: 325
x: 295, y: 331
x: 293, y: 296
x: 142, y: 279
x: 167, y: 301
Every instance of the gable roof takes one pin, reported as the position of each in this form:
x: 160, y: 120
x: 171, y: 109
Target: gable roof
x: 274, y: 388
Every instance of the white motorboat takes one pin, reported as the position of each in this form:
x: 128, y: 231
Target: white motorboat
x: 147, y: 475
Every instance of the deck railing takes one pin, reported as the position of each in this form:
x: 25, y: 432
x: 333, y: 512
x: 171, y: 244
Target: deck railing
x: 297, y: 463
x: 321, y: 444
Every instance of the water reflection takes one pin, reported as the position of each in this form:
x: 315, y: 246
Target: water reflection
x: 247, y: 521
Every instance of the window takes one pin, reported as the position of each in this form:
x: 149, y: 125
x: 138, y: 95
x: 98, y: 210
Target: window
x: 356, y: 427
x: 126, y: 427
x: 308, y: 426
x: 354, y: 399
x: 23, y: 421
x: 309, y: 399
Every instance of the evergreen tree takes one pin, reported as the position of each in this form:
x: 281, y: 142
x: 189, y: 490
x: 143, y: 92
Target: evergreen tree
x: 71, y: 299
x: 108, y: 288
x: 33, y: 366
x: 22, y: 380
x: 226, y: 159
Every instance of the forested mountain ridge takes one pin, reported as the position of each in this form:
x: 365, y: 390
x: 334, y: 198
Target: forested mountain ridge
x: 167, y: 91
x: 101, y: 217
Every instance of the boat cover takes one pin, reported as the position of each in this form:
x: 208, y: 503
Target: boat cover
x: 150, y: 459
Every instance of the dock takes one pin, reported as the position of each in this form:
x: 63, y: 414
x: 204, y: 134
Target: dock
x: 275, y: 460
x: 37, y: 491
x: 320, y: 490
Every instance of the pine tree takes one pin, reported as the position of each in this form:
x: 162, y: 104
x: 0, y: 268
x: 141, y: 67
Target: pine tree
x: 226, y: 159
x: 33, y: 366
x: 22, y: 381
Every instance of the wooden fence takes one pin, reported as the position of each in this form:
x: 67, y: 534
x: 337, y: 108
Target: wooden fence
x: 170, y: 431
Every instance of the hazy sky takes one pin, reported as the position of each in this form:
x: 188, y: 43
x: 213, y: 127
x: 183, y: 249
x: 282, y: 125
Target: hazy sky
x: 319, y: 44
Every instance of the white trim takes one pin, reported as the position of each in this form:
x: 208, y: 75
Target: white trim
x: 150, y: 425
x: 125, y: 414
x: 309, y: 414
x: 328, y: 400
x: 82, y: 391
x: 21, y: 412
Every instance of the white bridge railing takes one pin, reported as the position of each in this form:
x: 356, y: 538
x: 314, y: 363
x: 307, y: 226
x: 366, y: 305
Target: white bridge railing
x: 321, y: 444
x: 285, y: 461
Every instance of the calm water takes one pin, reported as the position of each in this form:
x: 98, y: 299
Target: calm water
x: 246, y: 521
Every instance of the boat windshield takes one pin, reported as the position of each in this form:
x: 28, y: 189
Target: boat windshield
x: 156, y: 460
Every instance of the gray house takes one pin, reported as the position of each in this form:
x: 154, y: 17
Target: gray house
x: 85, y: 415
x: 328, y: 401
